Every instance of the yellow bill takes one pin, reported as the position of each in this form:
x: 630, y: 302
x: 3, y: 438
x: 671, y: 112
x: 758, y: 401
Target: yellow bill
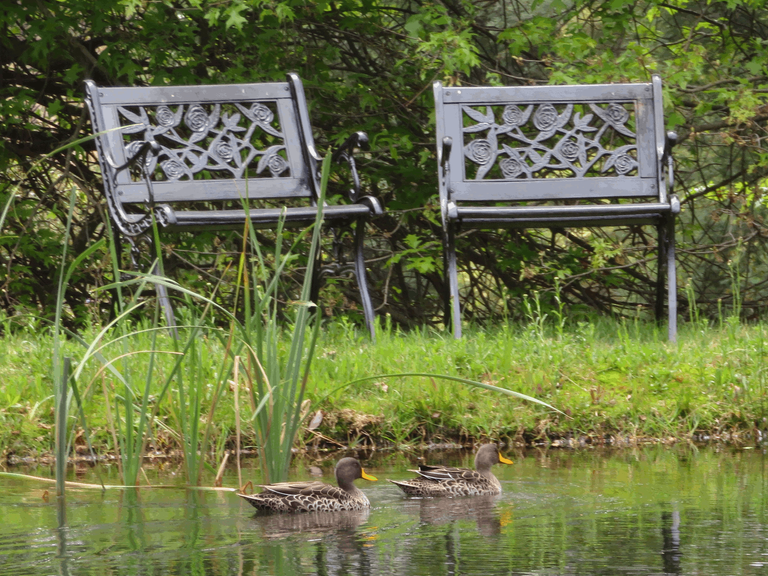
x: 369, y: 477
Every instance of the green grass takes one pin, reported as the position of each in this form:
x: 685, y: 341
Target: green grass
x: 610, y: 378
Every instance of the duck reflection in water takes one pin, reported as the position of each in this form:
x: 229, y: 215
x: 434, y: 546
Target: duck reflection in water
x: 339, y: 544
x: 284, y: 525
x: 479, y: 509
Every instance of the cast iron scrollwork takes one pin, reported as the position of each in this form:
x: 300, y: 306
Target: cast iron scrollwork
x: 193, y: 139
x: 550, y: 146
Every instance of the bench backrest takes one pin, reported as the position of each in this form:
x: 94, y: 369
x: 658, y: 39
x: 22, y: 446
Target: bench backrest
x: 526, y: 143
x: 217, y: 142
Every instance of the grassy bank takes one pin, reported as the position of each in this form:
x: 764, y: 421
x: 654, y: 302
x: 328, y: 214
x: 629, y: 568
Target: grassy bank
x: 619, y: 381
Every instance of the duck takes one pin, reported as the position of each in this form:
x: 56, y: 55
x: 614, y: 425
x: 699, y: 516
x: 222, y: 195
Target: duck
x: 443, y: 481
x: 315, y: 495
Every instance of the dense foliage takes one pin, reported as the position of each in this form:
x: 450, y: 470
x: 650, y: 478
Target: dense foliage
x: 368, y: 65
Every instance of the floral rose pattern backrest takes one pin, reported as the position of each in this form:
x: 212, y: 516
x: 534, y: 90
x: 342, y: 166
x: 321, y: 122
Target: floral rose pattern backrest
x: 532, y: 141
x: 211, y: 140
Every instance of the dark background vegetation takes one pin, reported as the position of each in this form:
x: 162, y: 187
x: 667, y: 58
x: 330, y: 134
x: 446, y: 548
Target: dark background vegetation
x: 369, y: 65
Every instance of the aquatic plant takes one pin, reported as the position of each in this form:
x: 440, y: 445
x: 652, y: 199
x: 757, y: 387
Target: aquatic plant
x: 278, y: 374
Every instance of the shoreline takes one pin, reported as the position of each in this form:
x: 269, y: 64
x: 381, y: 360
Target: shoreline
x: 739, y: 439
x: 615, y: 384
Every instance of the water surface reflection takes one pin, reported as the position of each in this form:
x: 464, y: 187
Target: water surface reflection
x: 308, y: 523
x: 652, y: 511
x: 480, y: 510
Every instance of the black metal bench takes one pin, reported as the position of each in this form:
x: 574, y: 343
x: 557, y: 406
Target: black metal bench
x: 555, y: 157
x: 192, y: 154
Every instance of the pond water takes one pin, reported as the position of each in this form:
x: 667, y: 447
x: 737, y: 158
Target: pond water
x: 647, y: 511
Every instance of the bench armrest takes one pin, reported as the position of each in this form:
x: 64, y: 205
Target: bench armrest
x: 669, y: 143
x: 447, y: 208
x: 345, y: 153
x: 446, y: 152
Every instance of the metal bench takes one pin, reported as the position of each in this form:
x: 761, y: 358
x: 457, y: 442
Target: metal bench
x: 191, y: 155
x: 555, y: 157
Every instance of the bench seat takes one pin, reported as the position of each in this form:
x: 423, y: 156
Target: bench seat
x: 572, y: 216
x: 260, y: 217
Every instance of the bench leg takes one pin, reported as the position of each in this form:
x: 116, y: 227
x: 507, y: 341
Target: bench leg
x: 451, y: 281
x: 661, y: 272
x: 165, y: 302
x: 362, y: 282
x: 667, y: 275
x: 162, y: 291
x: 114, y: 307
x: 671, y: 280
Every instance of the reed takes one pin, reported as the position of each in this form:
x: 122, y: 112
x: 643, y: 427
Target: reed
x: 199, y: 389
x: 278, y: 359
x: 153, y: 362
x: 60, y: 366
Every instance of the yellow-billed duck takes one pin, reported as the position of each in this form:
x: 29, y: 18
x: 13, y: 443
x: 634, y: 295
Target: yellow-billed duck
x: 444, y: 481
x: 315, y: 495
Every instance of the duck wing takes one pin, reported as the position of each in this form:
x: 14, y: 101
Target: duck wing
x: 307, y: 489
x: 445, y: 474
x: 419, y: 486
x: 304, y: 496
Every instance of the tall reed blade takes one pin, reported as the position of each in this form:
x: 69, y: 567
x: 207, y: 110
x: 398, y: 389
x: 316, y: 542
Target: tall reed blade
x: 59, y: 376
x: 61, y: 428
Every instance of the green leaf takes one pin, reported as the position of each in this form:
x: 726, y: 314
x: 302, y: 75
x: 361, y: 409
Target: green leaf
x: 284, y: 12
x: 235, y: 19
x: 54, y: 107
x: 755, y: 66
x: 412, y: 241
x: 675, y: 119
x: 414, y: 25
x: 74, y: 74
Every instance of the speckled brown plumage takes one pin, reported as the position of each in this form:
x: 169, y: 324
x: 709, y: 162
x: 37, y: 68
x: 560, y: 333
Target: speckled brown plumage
x: 315, y: 496
x: 444, y: 481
